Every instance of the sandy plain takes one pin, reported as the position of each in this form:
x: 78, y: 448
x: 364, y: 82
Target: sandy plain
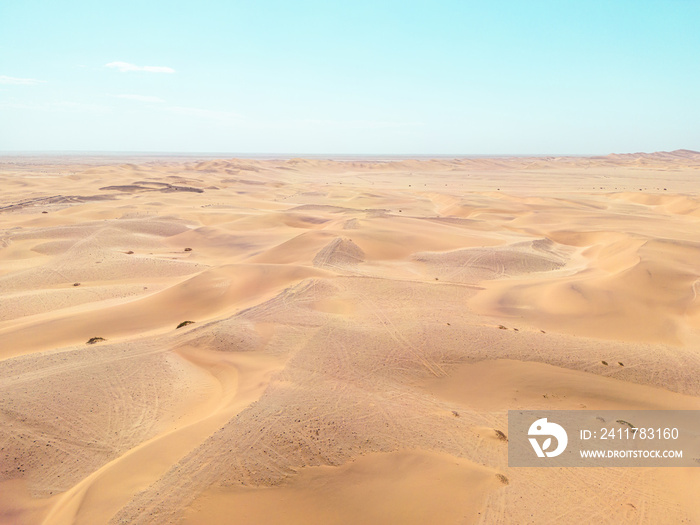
x: 359, y: 330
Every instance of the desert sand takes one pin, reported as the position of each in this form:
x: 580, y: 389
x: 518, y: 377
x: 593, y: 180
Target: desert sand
x: 358, y: 331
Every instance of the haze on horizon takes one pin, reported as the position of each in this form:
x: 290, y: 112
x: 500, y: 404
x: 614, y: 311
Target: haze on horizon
x: 454, y: 78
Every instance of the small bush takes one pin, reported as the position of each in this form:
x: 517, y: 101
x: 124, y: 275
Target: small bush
x: 500, y: 435
x: 502, y: 479
x: 94, y: 340
x: 184, y: 323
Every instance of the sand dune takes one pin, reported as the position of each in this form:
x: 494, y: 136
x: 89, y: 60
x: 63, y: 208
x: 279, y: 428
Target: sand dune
x: 397, y: 487
x: 357, y: 331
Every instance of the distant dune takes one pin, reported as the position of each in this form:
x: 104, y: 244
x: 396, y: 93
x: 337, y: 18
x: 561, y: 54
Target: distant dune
x: 356, y: 332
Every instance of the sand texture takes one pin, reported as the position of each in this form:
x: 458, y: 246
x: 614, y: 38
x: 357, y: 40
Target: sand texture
x: 358, y: 331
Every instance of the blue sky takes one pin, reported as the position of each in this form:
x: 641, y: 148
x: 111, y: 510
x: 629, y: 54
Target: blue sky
x: 381, y: 77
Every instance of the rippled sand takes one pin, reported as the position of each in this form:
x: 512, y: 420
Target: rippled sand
x: 358, y: 331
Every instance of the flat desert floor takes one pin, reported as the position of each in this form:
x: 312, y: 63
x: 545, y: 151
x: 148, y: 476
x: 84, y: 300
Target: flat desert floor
x: 358, y: 331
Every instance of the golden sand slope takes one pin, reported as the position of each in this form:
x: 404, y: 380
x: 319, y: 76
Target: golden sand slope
x: 359, y: 331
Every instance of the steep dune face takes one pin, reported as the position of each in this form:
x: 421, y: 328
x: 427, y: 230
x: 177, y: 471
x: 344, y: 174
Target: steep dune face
x: 64, y: 415
x: 318, y: 341
x: 635, y: 285
x: 338, y: 253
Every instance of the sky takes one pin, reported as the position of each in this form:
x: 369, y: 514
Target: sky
x: 376, y: 77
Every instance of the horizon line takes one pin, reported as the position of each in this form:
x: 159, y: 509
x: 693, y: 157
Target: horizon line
x: 328, y: 156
